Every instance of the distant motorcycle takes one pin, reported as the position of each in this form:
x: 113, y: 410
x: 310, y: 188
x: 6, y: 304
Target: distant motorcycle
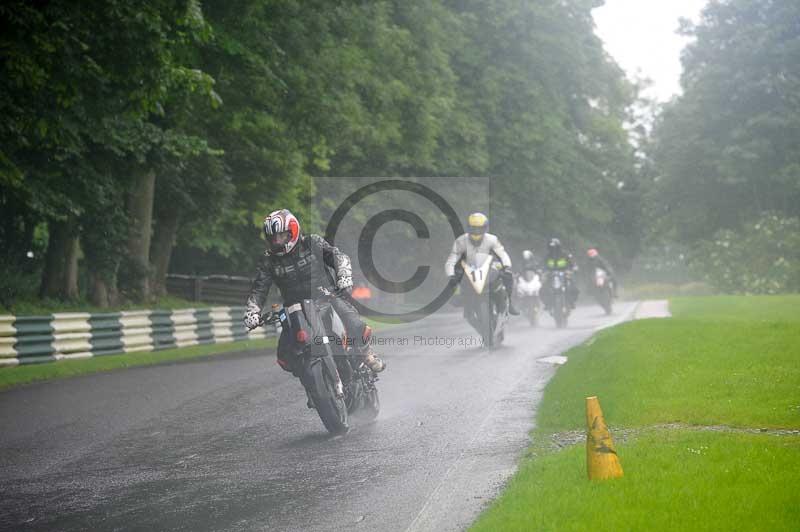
x: 603, y: 289
x: 485, y: 298
x: 528, y: 285
x: 559, y: 302
x: 336, y: 381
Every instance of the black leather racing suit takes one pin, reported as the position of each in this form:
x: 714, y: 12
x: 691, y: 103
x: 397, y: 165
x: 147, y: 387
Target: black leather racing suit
x: 298, y: 275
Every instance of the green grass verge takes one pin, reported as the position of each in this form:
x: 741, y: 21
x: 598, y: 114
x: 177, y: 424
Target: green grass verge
x: 720, y: 361
x: 755, y: 309
x: 18, y: 375
x: 674, y: 480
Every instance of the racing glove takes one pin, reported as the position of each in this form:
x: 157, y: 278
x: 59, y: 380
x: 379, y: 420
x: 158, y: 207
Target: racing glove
x: 252, y: 319
x: 345, y: 282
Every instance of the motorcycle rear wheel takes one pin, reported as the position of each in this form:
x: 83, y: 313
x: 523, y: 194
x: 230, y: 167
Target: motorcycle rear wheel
x: 371, y: 405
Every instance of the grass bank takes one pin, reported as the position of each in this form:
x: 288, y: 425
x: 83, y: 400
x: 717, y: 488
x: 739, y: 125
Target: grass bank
x: 705, y: 410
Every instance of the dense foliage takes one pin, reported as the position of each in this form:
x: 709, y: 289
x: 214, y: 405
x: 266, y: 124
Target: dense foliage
x: 761, y: 258
x: 727, y: 153
x: 140, y: 138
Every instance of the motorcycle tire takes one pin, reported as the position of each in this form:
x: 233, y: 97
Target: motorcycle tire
x: 533, y: 315
x: 607, y: 301
x: 331, y: 409
x: 560, y: 310
x: 483, y: 313
x: 371, y: 405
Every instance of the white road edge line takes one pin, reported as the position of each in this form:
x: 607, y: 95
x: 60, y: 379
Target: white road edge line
x: 625, y: 317
x: 414, y: 524
x: 457, y: 463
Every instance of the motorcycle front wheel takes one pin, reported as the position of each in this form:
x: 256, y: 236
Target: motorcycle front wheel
x: 332, y: 410
x: 533, y: 313
x: 483, y: 314
x: 605, y: 300
x: 560, y: 310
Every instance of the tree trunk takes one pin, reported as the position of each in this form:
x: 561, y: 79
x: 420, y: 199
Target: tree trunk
x: 113, y: 293
x: 140, y: 216
x: 60, y: 274
x: 98, y: 291
x: 72, y: 250
x: 163, y: 241
x: 53, y: 271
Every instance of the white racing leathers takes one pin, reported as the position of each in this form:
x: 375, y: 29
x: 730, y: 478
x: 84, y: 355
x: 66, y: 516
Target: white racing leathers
x: 464, y: 247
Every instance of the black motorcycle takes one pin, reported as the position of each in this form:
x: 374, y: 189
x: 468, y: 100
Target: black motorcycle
x: 559, y: 302
x: 336, y: 380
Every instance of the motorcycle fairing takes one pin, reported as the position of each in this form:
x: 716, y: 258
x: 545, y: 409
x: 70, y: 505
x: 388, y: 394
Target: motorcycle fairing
x: 322, y: 353
x: 529, y: 287
x: 600, y: 277
x: 477, y: 275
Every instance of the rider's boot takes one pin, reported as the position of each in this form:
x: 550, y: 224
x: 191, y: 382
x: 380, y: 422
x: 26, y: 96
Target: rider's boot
x: 374, y: 362
x: 370, y: 359
x: 511, y: 309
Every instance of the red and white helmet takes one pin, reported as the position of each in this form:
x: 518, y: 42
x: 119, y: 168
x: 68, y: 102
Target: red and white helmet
x: 592, y: 253
x: 282, y: 231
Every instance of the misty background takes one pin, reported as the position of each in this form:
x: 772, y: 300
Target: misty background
x: 144, y: 139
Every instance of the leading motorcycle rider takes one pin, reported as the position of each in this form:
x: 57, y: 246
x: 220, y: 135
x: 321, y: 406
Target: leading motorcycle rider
x: 479, y: 240
x: 296, y: 263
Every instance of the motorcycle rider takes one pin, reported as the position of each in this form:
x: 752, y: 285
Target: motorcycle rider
x: 296, y: 263
x: 479, y: 240
x: 595, y: 260
x: 524, y: 280
x: 559, y: 260
x: 529, y: 262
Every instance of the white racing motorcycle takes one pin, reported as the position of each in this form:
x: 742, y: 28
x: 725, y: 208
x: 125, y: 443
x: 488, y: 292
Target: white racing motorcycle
x: 485, y: 298
x: 528, y: 285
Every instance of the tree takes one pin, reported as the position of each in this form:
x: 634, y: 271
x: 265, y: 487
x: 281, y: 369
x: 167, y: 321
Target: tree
x: 82, y: 89
x: 725, y: 150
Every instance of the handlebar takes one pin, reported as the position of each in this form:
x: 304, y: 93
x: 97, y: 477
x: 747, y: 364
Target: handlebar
x: 273, y: 317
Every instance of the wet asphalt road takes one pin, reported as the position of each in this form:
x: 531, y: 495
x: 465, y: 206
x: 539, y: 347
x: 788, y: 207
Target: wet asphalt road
x: 227, y: 443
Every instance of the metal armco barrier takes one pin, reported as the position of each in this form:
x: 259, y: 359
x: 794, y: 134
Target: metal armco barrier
x: 215, y: 289
x: 74, y: 335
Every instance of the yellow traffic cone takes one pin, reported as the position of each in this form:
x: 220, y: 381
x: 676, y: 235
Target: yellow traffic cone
x: 601, y: 459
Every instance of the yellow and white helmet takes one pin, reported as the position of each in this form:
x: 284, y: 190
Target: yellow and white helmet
x: 477, y: 225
